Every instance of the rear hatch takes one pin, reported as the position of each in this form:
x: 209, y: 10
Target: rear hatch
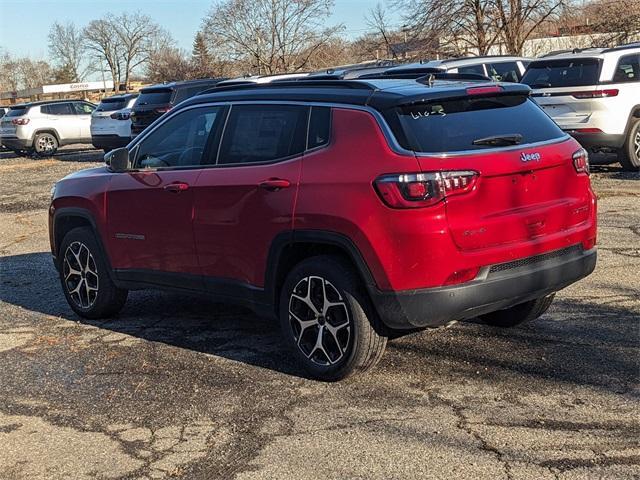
x: 101, y: 121
x: 565, y: 88
x: 7, y: 127
x: 151, y: 104
x: 526, y: 187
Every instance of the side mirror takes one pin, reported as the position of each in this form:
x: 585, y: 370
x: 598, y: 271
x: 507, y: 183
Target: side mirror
x: 118, y: 160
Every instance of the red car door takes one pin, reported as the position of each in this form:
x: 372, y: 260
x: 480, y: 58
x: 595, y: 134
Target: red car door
x: 150, y: 209
x: 248, y: 198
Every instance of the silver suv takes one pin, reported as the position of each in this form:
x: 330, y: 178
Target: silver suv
x: 42, y: 127
x: 594, y: 95
x: 497, y: 67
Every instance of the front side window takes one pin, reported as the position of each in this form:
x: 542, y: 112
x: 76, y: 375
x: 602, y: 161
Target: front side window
x: 181, y: 141
x: 83, y: 108
x: 263, y: 133
x: 504, y: 71
x: 628, y: 69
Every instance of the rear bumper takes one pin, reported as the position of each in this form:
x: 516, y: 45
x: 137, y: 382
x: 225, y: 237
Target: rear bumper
x: 109, y: 141
x: 590, y: 140
x: 15, y: 143
x: 497, y: 288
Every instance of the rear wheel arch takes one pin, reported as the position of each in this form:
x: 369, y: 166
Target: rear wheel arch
x: 290, y: 248
x: 52, y: 131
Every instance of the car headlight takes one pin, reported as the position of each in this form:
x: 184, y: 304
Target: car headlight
x: 53, y: 190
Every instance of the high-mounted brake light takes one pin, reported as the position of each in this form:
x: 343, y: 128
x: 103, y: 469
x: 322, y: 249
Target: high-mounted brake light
x: 613, y: 92
x: 415, y: 190
x: 20, y: 121
x: 163, y: 109
x: 581, y: 161
x: 484, y: 90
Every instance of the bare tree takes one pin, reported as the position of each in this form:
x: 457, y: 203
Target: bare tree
x: 67, y: 48
x: 102, y: 40
x: 137, y: 34
x: 617, y: 21
x: 382, y: 36
x: 269, y: 36
x: 519, y: 19
x: 168, y: 64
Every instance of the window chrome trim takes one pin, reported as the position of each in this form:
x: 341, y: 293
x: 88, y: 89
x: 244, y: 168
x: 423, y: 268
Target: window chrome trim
x: 392, y: 142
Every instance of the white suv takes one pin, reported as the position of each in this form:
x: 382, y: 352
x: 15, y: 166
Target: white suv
x: 594, y: 95
x: 42, y: 127
x: 111, y: 122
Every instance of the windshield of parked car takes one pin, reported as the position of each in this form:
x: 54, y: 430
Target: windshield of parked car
x: 156, y: 96
x: 471, y: 124
x: 112, y: 104
x: 572, y: 72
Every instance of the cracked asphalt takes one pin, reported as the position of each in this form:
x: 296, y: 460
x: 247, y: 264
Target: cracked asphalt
x: 180, y: 387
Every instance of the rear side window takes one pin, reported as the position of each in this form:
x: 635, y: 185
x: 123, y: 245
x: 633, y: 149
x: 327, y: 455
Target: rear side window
x: 155, y: 96
x: 57, y: 109
x: 454, y: 125
x: 474, y: 69
x: 263, y: 133
x: 628, y: 69
x: 504, y: 71
x: 184, y: 93
x: 576, y: 72
x: 17, y: 112
x: 111, y: 104
x: 319, y: 127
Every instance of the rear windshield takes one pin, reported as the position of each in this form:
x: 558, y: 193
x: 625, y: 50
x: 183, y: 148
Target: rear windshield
x: 111, y: 104
x: 155, y: 97
x: 562, y: 73
x: 460, y: 124
x: 16, y: 112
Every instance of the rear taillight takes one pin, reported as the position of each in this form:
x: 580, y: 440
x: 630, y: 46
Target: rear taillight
x: 613, y: 92
x: 586, y: 130
x: 415, y: 190
x: 120, y: 116
x: 20, y: 121
x: 163, y: 109
x: 581, y: 161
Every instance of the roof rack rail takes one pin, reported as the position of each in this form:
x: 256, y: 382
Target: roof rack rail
x: 296, y: 83
x: 626, y: 46
x: 418, y: 76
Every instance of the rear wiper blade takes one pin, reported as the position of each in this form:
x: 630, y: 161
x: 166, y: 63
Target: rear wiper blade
x: 499, y: 140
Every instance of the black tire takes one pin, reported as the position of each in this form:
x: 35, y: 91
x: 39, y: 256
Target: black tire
x: 525, y: 312
x: 45, y: 144
x: 97, y: 297
x: 629, y: 155
x: 356, y: 343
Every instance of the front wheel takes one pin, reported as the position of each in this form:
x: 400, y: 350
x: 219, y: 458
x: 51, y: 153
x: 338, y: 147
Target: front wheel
x: 629, y: 155
x: 328, y: 321
x: 45, y: 144
x: 85, y: 278
x: 525, y: 312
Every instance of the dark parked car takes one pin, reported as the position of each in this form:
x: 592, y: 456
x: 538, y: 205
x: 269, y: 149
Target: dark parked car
x: 351, y: 209
x: 158, y: 99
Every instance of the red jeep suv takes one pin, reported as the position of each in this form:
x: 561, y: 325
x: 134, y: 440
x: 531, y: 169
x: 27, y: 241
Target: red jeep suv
x: 350, y: 209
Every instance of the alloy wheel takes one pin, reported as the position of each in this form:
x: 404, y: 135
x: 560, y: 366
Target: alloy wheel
x: 80, y: 275
x: 636, y: 144
x: 319, y: 320
x: 46, y: 144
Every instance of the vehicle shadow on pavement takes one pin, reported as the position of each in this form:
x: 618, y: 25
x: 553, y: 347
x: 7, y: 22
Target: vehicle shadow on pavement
x: 68, y: 154
x: 589, y: 342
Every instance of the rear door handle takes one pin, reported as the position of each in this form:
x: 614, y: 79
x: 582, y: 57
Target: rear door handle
x: 274, y: 184
x: 176, y: 187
